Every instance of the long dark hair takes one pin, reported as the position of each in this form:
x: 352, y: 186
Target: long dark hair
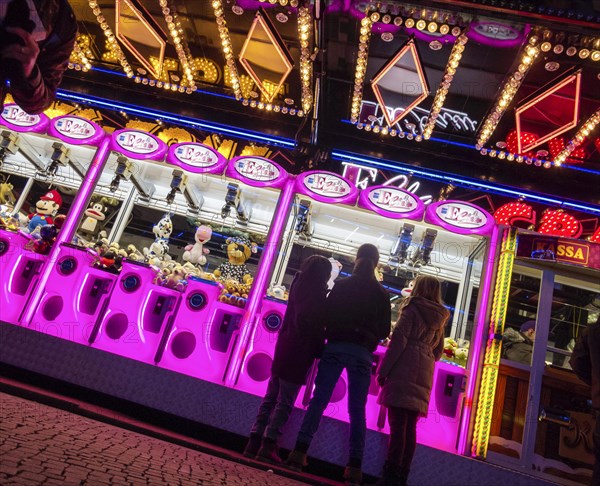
x: 367, y: 258
x: 313, y: 275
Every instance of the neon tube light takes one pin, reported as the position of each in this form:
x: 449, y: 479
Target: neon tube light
x: 463, y: 439
x: 178, y: 119
x: 463, y: 181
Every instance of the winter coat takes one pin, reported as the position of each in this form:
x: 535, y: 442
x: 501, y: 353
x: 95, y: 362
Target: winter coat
x: 37, y: 92
x: 408, y: 365
x: 358, y: 311
x: 585, y: 360
x: 301, y: 338
x: 516, y: 346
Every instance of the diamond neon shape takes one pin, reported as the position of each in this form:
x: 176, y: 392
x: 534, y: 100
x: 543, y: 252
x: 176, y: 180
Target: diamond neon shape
x: 401, y: 77
x: 139, y: 37
x: 265, y: 57
x: 549, y: 112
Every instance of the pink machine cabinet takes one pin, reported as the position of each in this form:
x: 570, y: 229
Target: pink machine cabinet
x: 74, y: 297
x: 136, y: 315
x: 20, y: 269
x: 199, y: 342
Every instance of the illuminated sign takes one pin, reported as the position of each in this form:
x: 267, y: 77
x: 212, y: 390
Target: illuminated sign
x: 14, y: 117
x: 196, y: 157
x: 392, y: 202
x: 582, y: 253
x: 256, y: 171
x: 137, y: 144
x: 73, y: 129
x: 326, y: 187
x: 460, y: 217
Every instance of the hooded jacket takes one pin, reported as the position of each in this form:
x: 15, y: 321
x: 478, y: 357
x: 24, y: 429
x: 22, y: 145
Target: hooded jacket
x: 408, y: 365
x: 358, y: 310
x: 585, y: 361
x: 301, y: 338
x: 516, y: 346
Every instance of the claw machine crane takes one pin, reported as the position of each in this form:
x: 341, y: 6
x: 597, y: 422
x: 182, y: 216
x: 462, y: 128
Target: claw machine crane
x: 47, y: 172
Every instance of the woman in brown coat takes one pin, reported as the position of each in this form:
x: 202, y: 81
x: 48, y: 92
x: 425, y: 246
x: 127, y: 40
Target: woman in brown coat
x: 406, y: 372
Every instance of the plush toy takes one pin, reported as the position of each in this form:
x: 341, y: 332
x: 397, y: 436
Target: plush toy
x: 450, y: 347
x: 195, y: 253
x: 336, y: 268
x: 46, y: 208
x: 94, y: 215
x: 239, y: 248
x: 406, y: 291
x: 159, y: 250
x: 44, y: 236
x: 172, y: 276
x: 461, y: 355
x: 234, y: 292
x: 6, y: 194
x: 279, y: 292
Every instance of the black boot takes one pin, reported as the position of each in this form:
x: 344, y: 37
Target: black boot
x: 268, y: 452
x: 393, y: 475
x: 252, y: 446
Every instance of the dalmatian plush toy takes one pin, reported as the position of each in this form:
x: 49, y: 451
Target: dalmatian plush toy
x: 160, y: 248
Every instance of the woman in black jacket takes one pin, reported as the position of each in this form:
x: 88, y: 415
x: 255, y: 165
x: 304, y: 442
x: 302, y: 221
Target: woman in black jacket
x: 300, y: 341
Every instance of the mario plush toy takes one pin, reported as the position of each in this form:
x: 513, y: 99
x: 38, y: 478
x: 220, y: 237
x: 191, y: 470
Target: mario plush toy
x: 46, y: 208
x: 239, y: 248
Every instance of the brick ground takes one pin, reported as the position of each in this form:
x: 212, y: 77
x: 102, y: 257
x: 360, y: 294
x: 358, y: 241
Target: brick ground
x: 44, y: 445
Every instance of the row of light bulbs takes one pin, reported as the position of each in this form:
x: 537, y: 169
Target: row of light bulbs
x: 583, y: 132
x: 283, y: 3
x: 305, y: 33
x: 226, y: 46
x: 110, y: 36
x: 509, y: 89
x: 442, y: 92
x: 366, y: 25
x: 419, y: 24
x: 181, y: 47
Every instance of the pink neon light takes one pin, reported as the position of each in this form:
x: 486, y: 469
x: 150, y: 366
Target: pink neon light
x: 463, y: 433
x: 259, y: 285
x: 66, y: 233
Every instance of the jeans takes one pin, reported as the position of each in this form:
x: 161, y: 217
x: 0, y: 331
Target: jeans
x: 403, y: 436
x: 276, y: 407
x: 596, y: 476
x: 357, y: 361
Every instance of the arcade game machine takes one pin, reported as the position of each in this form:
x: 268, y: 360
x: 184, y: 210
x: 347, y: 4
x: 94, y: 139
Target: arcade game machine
x: 41, y: 176
x: 326, y: 221
x: 241, y: 207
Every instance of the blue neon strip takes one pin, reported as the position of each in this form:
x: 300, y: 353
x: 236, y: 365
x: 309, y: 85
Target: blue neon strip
x: 498, y: 189
x: 180, y: 120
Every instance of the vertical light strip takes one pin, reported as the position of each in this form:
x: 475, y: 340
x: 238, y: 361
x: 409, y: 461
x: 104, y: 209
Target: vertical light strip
x: 65, y: 235
x: 259, y: 285
x: 529, y: 54
x: 583, y: 132
x: 442, y: 92
x: 305, y: 32
x: 227, y: 49
x: 477, y: 343
x: 361, y: 65
x: 180, y: 42
x: 487, y: 391
x: 110, y: 36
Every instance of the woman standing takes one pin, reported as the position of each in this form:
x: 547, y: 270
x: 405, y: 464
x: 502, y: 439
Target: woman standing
x: 406, y: 372
x: 300, y: 341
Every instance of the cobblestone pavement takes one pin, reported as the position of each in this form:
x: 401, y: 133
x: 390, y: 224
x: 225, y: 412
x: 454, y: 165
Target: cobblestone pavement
x: 41, y: 445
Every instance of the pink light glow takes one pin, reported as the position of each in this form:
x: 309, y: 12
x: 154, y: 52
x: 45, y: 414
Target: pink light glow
x: 257, y: 292
x: 65, y: 235
x: 476, y: 346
